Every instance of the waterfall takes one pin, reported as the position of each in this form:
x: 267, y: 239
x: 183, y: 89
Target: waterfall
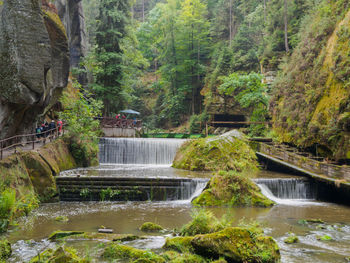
x: 138, y: 150
x: 287, y: 191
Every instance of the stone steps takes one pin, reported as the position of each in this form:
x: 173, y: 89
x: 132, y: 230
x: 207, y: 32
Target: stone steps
x: 125, y: 189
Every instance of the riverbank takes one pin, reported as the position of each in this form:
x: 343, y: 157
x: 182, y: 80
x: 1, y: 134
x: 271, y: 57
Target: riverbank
x: 27, y: 177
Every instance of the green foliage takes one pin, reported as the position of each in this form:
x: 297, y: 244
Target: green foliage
x: 203, y: 222
x: 8, y: 207
x: 197, y: 121
x: 5, y: 250
x: 80, y: 111
x: 250, y: 92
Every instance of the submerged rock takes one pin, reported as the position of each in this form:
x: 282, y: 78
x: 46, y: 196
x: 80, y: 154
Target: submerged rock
x: 62, y: 234
x: 79, y: 235
x: 237, y: 245
x: 235, y: 189
x: 225, y: 152
x: 292, y: 238
x: 151, y: 227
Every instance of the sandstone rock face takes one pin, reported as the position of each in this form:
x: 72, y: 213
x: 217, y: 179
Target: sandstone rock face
x: 72, y: 15
x: 34, y: 64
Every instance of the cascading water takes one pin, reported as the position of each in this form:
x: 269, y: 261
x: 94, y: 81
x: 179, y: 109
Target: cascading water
x: 138, y: 150
x: 132, y: 169
x: 287, y: 190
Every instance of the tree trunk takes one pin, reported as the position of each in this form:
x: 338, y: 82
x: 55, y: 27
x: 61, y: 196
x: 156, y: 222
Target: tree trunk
x: 264, y: 11
x: 230, y: 25
x: 286, y: 26
x: 143, y: 10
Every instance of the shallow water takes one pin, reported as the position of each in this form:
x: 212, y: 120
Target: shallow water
x: 127, y: 217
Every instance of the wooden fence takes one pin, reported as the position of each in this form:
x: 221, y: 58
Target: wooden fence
x: 110, y: 122
x: 312, y: 164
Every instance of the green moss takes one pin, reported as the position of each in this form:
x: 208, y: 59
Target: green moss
x: 58, y: 156
x: 325, y: 238
x: 40, y: 175
x: 215, y: 153
x: 291, y: 239
x: 85, y: 153
x: 61, y: 218
x: 237, y: 245
x: 5, y: 250
x: 151, y: 227
x: 180, y: 244
x: 174, y: 257
x: 53, y: 20
x: 62, y: 234
x: 60, y: 255
x: 118, y: 251
x: 230, y: 188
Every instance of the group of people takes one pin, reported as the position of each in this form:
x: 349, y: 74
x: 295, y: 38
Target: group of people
x: 48, y: 128
x: 123, y: 117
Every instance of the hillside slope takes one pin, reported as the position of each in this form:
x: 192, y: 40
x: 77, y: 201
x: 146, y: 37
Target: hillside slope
x: 311, y: 100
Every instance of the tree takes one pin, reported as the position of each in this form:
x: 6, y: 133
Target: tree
x: 111, y: 29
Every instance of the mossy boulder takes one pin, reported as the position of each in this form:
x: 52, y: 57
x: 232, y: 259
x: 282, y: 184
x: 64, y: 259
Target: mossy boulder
x: 58, y: 156
x: 60, y: 255
x: 115, y: 251
x: 224, y: 152
x: 174, y: 257
x: 40, y: 174
x: 180, y: 244
x: 291, y: 239
x: 237, y: 244
x: 62, y: 234
x: 151, y: 227
x: 85, y: 153
x: 5, y: 250
x: 231, y: 188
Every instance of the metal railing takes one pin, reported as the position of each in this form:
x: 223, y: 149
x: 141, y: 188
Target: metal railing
x: 20, y: 141
x: 110, y: 122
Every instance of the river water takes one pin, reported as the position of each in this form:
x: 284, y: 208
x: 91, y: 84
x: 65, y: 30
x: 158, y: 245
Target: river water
x: 288, y: 215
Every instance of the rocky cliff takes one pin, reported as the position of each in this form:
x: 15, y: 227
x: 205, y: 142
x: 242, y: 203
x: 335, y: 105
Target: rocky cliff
x: 311, y: 102
x: 72, y: 15
x: 34, y: 63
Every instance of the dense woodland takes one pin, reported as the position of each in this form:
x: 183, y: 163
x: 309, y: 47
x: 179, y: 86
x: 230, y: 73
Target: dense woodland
x: 167, y: 59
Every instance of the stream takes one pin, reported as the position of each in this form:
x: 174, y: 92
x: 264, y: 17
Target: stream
x: 294, y: 197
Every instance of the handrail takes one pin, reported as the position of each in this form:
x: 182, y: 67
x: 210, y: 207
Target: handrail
x: 25, y: 139
x: 110, y: 122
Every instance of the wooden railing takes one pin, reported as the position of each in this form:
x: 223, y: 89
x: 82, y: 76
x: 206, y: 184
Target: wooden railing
x: 20, y: 141
x: 110, y: 122
x: 312, y: 164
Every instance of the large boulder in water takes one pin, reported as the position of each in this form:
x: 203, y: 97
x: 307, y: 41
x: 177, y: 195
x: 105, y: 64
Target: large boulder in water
x: 34, y: 63
x: 233, y: 189
x: 225, y: 152
x: 237, y: 244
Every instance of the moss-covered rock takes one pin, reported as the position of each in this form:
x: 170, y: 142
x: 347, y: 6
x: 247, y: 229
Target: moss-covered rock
x: 80, y: 235
x: 224, y: 152
x: 180, y: 244
x: 62, y: 234
x: 117, y: 251
x: 5, y: 250
x: 203, y: 222
x: 60, y: 255
x: 230, y: 188
x: 237, y: 244
x: 85, y: 152
x: 40, y: 175
x: 58, y: 156
x: 291, y: 239
x: 174, y: 257
x: 151, y: 227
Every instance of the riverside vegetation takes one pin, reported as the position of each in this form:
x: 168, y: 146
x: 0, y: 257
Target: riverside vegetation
x: 204, y: 239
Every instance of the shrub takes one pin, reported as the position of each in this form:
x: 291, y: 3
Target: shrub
x: 203, y: 222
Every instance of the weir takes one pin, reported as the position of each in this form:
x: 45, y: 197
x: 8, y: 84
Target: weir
x: 289, y: 191
x: 124, y: 181
x: 138, y: 150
